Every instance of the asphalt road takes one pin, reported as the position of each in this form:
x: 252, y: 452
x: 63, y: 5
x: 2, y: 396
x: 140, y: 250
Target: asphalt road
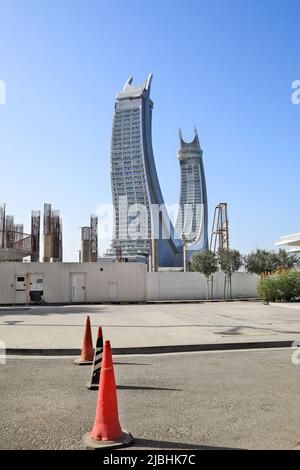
x: 234, y: 399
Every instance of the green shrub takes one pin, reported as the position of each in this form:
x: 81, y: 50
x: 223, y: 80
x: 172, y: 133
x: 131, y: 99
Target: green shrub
x: 267, y: 289
x: 280, y: 286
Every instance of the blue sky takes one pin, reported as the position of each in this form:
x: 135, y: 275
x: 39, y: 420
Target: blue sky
x: 223, y: 66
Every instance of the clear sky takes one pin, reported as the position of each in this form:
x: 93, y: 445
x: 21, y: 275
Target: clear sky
x: 223, y: 66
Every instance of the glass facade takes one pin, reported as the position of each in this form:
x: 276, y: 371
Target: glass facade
x: 134, y: 181
x: 192, y: 217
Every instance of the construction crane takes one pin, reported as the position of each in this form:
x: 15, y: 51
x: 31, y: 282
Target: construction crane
x: 219, y: 239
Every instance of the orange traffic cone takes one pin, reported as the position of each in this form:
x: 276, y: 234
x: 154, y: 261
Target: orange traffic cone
x: 107, y: 431
x: 87, y: 351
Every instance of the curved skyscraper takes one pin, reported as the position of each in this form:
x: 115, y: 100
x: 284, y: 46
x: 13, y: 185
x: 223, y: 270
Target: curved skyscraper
x: 139, y: 211
x: 192, y: 219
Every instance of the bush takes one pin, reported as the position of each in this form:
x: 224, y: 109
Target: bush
x: 281, y: 286
x: 266, y: 289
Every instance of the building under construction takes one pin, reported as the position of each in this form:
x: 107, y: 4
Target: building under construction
x: 16, y: 245
x: 89, y: 241
x: 35, y: 236
x: 52, y: 235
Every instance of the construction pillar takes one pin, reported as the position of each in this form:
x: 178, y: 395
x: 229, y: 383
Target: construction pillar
x: 119, y: 254
x: 85, y: 244
x: 2, y: 225
x: 154, y: 255
x: 47, y: 234
x: 94, y: 237
x: 55, y: 236
x: 9, y: 224
x: 35, y: 236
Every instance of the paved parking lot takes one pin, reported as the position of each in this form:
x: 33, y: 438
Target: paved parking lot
x: 234, y: 399
x: 150, y: 325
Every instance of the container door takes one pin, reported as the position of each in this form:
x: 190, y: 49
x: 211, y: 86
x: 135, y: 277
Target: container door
x: 77, y: 287
x: 20, y: 289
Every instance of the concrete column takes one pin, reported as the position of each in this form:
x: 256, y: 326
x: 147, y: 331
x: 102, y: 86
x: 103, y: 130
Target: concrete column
x: 154, y: 255
x: 185, y: 257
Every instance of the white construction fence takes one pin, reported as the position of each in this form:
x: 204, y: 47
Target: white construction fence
x: 22, y: 283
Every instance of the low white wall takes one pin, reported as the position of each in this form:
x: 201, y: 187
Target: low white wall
x: 129, y: 279
x: 192, y: 286
x: 105, y: 282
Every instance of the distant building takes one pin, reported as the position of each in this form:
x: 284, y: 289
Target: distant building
x: 192, y: 219
x: 135, y: 184
x: 291, y: 242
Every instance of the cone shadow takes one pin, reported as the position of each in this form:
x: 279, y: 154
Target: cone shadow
x: 149, y: 443
x: 141, y: 387
x: 131, y: 364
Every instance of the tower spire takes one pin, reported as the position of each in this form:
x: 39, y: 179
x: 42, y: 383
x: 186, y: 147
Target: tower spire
x: 180, y: 138
x: 196, y: 136
x: 128, y: 83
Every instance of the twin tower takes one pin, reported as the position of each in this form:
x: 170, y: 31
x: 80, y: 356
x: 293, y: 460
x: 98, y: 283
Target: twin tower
x: 140, y: 215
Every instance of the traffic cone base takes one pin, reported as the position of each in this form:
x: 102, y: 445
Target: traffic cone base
x: 79, y: 362
x: 124, y: 440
